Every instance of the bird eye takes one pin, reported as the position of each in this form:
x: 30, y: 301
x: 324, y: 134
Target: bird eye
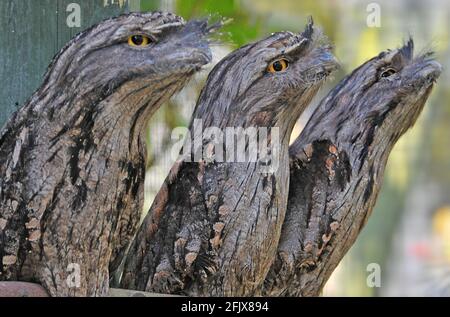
x: 388, y: 72
x: 138, y: 40
x: 277, y: 66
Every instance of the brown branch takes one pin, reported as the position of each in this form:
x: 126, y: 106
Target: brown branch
x: 23, y: 289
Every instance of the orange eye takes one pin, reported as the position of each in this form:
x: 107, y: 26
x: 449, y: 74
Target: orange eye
x: 138, y: 40
x: 277, y: 66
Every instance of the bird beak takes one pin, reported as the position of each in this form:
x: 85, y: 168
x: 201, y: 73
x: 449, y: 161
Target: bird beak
x: 190, y: 45
x: 429, y: 71
x: 329, y: 62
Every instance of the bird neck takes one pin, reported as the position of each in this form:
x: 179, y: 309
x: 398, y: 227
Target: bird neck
x: 96, y: 127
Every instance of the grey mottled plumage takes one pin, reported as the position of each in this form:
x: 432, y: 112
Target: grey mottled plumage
x: 72, y: 160
x: 337, y: 165
x: 214, y: 226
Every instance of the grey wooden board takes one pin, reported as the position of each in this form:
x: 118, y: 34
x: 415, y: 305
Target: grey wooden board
x: 31, y: 33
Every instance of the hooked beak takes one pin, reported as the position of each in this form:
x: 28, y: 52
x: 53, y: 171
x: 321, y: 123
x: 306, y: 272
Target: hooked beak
x: 324, y: 64
x: 191, y: 45
x: 430, y: 71
x: 329, y: 62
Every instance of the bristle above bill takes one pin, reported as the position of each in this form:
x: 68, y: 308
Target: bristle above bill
x: 408, y: 49
x: 309, y: 29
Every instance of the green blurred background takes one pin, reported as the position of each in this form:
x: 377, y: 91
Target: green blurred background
x: 408, y: 234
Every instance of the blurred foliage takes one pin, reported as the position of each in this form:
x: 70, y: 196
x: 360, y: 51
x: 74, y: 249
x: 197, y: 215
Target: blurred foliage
x: 150, y: 5
x: 225, y: 9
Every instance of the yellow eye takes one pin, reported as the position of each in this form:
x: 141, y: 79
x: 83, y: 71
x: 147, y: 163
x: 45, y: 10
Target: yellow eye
x: 278, y: 66
x: 138, y: 40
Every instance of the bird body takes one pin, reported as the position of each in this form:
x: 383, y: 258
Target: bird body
x: 72, y: 159
x: 213, y: 227
x: 338, y: 162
